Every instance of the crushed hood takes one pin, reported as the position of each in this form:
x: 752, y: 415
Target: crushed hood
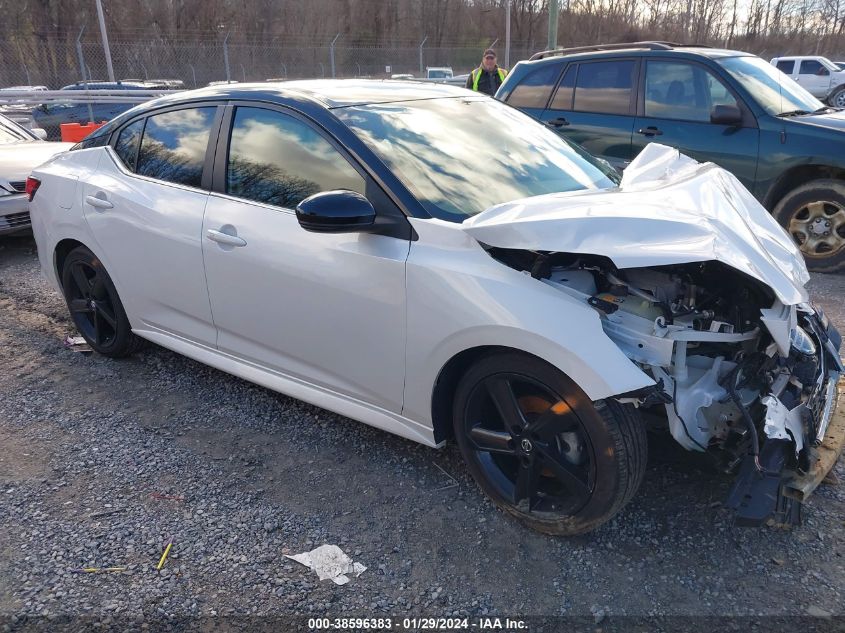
x: 668, y: 209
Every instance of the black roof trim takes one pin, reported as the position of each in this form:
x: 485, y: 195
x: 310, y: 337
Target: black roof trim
x: 652, y: 46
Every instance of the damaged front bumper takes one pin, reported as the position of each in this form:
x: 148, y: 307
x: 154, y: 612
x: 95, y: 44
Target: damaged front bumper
x: 802, y: 444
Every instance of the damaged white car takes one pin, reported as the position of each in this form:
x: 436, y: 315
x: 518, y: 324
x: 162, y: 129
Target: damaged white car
x: 439, y: 265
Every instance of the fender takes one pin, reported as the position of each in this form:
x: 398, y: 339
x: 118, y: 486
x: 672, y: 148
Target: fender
x: 474, y: 301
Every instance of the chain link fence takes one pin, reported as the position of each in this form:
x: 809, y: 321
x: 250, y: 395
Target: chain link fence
x: 199, y: 63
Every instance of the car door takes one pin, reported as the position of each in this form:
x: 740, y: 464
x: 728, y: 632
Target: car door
x: 814, y: 77
x: 145, y: 206
x: 594, y: 106
x: 675, y: 107
x: 327, y: 309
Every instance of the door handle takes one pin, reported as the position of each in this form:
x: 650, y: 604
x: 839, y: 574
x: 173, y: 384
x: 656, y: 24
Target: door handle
x: 558, y: 122
x: 99, y: 202
x: 224, y: 238
x: 650, y: 131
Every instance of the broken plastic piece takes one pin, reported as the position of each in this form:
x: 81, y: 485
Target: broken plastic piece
x: 77, y: 344
x: 329, y: 561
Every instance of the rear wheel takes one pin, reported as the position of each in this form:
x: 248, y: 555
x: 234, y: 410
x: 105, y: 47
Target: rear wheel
x: 541, y: 450
x: 95, y: 306
x: 814, y: 214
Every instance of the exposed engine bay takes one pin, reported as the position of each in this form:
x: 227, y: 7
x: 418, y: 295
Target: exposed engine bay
x: 738, y: 374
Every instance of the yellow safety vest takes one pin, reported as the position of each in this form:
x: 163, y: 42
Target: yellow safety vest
x: 476, y: 76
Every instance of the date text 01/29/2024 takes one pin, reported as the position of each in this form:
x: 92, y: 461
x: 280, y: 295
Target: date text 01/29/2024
x: 416, y: 624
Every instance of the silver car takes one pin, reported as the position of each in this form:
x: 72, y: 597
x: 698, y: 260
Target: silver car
x: 21, y: 150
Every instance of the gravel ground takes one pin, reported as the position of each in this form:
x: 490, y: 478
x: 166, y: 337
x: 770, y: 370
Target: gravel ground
x: 89, y: 446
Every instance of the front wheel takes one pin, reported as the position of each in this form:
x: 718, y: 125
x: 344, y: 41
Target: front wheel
x: 541, y: 450
x: 814, y: 214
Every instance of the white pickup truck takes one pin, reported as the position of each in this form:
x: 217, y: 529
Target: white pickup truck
x: 818, y: 75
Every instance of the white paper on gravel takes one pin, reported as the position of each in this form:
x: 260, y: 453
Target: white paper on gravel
x: 329, y: 561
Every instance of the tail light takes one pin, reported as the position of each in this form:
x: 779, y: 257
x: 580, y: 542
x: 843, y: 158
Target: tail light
x: 32, y: 185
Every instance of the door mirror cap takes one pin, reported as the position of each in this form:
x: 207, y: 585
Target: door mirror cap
x: 823, y: 72
x: 726, y: 115
x: 337, y: 211
x: 40, y: 132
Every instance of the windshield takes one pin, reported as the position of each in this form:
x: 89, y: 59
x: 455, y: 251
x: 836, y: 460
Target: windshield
x: 774, y: 91
x: 11, y: 133
x: 460, y: 156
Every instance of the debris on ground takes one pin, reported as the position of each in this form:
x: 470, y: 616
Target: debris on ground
x: 96, y: 570
x: 164, y: 555
x: 77, y: 344
x: 329, y: 561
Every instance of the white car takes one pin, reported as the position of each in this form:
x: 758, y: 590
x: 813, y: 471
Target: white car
x: 819, y: 76
x: 20, y: 151
x: 439, y: 265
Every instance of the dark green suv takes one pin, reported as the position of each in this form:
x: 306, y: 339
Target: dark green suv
x: 728, y: 107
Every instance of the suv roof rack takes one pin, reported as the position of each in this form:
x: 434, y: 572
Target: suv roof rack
x: 652, y: 46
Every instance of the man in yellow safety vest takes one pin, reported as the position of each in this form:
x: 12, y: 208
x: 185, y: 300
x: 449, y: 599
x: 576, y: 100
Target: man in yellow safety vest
x: 488, y: 77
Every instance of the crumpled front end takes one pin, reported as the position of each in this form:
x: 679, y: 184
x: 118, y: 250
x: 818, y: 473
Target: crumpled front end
x: 702, y: 290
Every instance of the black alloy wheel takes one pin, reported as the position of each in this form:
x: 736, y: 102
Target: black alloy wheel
x: 95, y: 306
x: 530, y: 444
x: 541, y: 450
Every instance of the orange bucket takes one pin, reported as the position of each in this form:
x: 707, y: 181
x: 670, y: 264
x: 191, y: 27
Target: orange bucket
x: 75, y: 132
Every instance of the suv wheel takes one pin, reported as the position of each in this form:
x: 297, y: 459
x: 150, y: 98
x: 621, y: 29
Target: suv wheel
x: 814, y: 214
x: 541, y: 449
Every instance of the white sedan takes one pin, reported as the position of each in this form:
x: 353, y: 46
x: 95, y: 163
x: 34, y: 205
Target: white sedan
x: 21, y: 150
x: 439, y: 265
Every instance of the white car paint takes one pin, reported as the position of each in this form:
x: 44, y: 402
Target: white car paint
x: 149, y: 238
x: 363, y: 324
x: 820, y: 86
x: 17, y: 160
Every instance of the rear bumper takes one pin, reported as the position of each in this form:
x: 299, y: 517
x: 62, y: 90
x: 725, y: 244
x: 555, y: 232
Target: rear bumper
x: 14, y: 214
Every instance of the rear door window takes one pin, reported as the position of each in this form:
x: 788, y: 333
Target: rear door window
x: 786, y: 66
x: 563, y: 97
x: 534, y: 91
x: 128, y: 142
x: 604, y: 87
x: 174, y: 144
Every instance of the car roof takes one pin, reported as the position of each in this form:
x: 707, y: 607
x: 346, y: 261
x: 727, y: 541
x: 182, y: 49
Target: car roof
x: 330, y: 93
x: 648, y: 48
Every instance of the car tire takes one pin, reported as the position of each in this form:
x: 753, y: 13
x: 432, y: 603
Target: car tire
x: 560, y: 463
x: 837, y: 99
x: 95, y: 306
x: 814, y: 214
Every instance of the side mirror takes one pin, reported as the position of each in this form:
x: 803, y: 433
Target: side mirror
x: 40, y: 132
x: 726, y: 115
x: 338, y: 211
x: 823, y: 72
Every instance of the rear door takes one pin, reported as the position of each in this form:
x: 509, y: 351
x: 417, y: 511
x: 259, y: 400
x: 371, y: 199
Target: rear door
x: 676, y: 101
x: 145, y: 207
x: 594, y: 105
